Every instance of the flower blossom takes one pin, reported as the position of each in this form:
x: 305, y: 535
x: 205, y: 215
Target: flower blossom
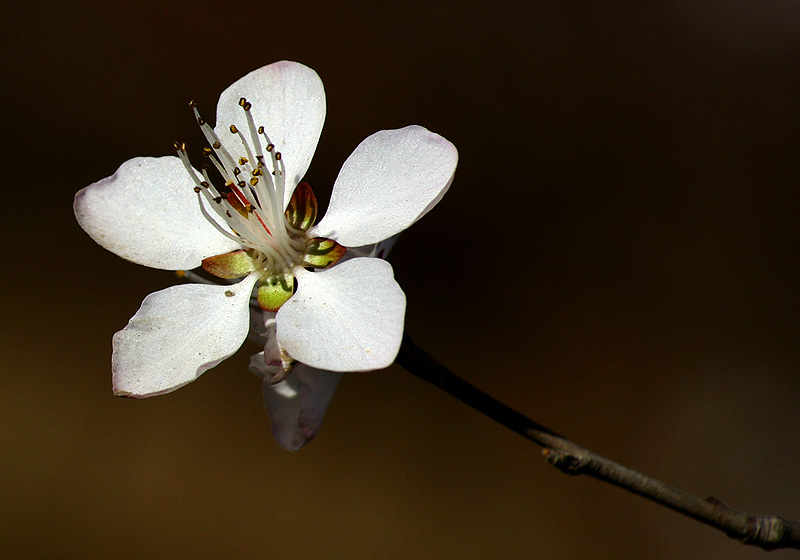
x: 256, y: 224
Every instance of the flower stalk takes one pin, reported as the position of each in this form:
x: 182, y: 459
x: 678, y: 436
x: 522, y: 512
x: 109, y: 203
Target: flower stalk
x: 768, y: 532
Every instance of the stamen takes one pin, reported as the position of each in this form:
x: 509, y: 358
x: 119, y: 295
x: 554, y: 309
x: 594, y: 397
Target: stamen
x: 212, y: 137
x: 236, y: 131
x: 270, y: 145
x: 251, y: 207
x: 181, y: 148
x: 265, y: 194
x: 222, y: 170
x: 214, y: 223
x: 251, y: 125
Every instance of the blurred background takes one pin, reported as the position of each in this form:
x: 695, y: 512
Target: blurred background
x: 617, y: 258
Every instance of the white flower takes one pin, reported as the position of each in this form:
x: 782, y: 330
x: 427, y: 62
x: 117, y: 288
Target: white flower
x: 162, y: 213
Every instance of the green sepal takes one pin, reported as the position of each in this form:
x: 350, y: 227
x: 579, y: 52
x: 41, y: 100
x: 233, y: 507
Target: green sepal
x: 275, y: 290
x: 322, y: 253
x: 302, y: 210
x: 230, y: 265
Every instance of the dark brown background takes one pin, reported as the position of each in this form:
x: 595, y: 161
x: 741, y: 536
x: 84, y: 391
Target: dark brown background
x: 618, y: 257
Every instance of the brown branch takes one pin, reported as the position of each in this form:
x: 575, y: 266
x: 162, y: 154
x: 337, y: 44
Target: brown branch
x: 766, y: 531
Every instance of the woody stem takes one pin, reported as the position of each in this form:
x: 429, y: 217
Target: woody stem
x: 767, y: 532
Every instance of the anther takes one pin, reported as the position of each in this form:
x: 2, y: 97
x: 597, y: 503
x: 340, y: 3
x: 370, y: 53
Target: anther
x: 216, y: 145
x: 261, y: 130
x: 278, y: 156
x: 207, y: 151
x: 236, y: 171
x: 234, y: 130
x: 254, y: 181
x: 192, y: 104
x: 201, y: 121
x: 197, y: 190
x: 244, y: 104
x: 270, y: 147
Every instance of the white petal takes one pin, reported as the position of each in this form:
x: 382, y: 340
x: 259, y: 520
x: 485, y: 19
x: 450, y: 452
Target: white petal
x: 391, y: 180
x: 179, y: 333
x: 288, y: 100
x: 346, y: 318
x: 147, y: 212
x: 297, y: 405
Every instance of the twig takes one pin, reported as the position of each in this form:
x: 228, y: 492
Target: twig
x: 766, y: 531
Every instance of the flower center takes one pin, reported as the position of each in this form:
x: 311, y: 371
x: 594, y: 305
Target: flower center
x: 251, y: 205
